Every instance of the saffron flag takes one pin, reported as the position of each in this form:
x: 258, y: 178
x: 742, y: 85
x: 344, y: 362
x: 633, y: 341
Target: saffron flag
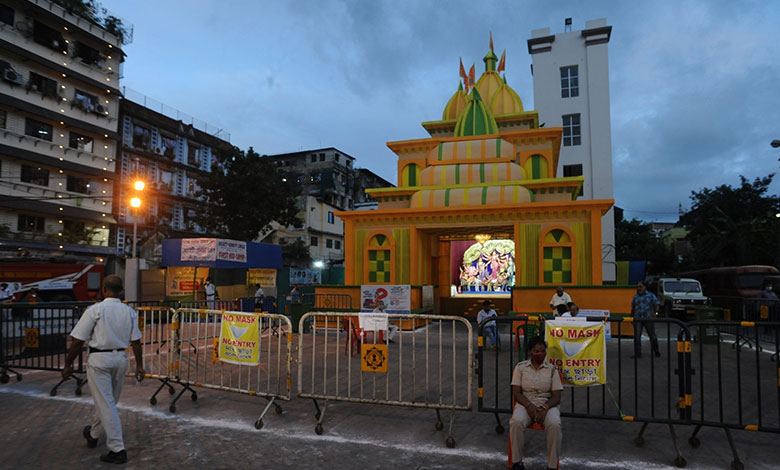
x: 502, y: 62
x: 464, y: 76
x: 471, y: 75
x: 578, y: 350
x: 239, y: 339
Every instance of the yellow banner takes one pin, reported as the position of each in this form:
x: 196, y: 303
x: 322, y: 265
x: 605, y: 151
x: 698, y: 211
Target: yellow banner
x: 264, y: 277
x: 578, y: 350
x: 239, y: 339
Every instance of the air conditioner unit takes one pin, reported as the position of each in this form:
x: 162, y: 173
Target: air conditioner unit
x: 100, y: 109
x: 13, y: 76
x: 158, y: 151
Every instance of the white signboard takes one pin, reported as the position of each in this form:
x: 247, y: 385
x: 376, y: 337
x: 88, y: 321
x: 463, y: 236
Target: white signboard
x: 231, y: 250
x: 373, y: 321
x: 394, y: 298
x: 594, y: 313
x: 213, y: 249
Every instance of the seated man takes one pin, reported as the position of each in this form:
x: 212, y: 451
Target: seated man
x: 392, y: 328
x: 536, y: 389
x: 573, y: 310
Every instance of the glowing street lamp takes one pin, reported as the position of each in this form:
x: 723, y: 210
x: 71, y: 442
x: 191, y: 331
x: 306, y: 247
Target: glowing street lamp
x: 135, y: 202
x: 139, y: 185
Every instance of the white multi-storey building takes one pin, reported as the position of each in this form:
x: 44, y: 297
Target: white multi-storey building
x: 571, y: 89
x: 59, y: 109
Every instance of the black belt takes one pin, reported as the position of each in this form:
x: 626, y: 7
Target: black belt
x: 94, y: 350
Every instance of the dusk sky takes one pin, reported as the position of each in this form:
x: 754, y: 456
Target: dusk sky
x: 693, y: 84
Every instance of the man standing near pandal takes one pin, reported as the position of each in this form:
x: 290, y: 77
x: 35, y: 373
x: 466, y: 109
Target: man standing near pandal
x: 490, y: 327
x: 108, y: 328
x: 644, y: 305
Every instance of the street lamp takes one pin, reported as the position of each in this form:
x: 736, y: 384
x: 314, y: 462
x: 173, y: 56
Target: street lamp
x: 135, y: 202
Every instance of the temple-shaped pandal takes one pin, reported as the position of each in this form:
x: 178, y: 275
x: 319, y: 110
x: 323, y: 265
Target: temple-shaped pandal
x: 479, y: 209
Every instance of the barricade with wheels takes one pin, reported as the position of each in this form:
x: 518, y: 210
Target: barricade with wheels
x: 429, y: 366
x: 195, y: 360
x: 35, y: 336
x: 155, y: 325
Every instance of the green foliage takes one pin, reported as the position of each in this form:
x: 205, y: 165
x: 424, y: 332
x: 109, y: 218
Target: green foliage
x: 296, y: 254
x: 734, y: 226
x: 244, y: 193
x: 635, y: 241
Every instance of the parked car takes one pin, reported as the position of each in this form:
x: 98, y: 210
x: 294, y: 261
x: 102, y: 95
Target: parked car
x: 676, y: 294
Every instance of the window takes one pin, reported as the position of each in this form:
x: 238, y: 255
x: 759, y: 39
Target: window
x: 38, y: 129
x: 86, y: 54
x: 337, y: 244
x: 3, y: 118
x: 314, y: 158
x: 572, y: 170
x: 570, y: 86
x: 313, y: 241
x: 78, y: 185
x: 557, y: 256
x: 73, y: 226
x: 322, y: 157
x: 141, y: 137
x: 41, y: 84
x: 571, y: 130
x: 328, y: 243
x: 7, y: 15
x: 165, y: 210
x: 166, y: 180
x: 30, y: 223
x: 349, y: 163
x: 48, y: 37
x: 193, y: 155
x: 168, y: 147
x: 35, y: 175
x: 380, y: 269
x: 81, y: 142
x: 330, y: 217
x: 336, y: 156
x: 85, y: 101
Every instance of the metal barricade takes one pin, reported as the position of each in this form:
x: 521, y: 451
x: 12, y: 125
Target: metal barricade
x: 194, y: 360
x: 210, y: 304
x: 154, y: 323
x: 35, y: 336
x: 257, y: 304
x: 428, y: 365
x: 329, y: 301
x: 648, y: 390
x: 733, y: 388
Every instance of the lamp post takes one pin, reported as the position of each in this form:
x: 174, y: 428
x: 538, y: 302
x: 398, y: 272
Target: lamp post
x: 135, y: 202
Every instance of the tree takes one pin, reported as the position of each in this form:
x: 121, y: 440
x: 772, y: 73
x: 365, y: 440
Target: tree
x: 296, y: 254
x: 244, y: 193
x: 734, y: 226
x: 635, y: 240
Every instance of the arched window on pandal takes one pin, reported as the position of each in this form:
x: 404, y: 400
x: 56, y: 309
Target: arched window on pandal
x: 557, y: 253
x: 380, y: 259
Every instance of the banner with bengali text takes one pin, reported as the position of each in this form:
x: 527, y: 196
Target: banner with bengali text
x: 239, y: 339
x: 578, y: 350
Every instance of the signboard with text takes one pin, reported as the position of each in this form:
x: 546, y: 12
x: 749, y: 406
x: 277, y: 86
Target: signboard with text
x: 213, y: 249
x: 578, y: 350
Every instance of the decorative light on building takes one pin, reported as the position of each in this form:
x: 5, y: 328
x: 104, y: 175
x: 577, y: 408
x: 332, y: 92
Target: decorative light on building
x: 62, y: 209
x: 135, y: 202
x: 139, y: 185
x: 60, y: 247
x: 61, y: 172
x: 105, y: 180
x: 59, y: 221
x: 60, y: 184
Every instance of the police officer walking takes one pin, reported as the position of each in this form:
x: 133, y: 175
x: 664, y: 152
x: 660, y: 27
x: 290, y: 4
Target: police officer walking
x: 108, y: 328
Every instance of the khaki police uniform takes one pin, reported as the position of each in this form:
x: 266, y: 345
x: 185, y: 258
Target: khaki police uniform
x: 537, y: 385
x: 108, y: 328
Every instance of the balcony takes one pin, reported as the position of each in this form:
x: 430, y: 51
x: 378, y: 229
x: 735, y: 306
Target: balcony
x: 101, y: 164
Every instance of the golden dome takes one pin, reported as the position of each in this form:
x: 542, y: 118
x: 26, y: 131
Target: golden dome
x: 505, y: 101
x: 456, y: 104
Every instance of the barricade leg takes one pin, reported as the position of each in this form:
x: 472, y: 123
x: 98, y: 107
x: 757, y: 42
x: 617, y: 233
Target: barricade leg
x: 4, y: 377
x: 185, y: 387
x: 320, y: 415
x: 679, y: 461
x: 450, y: 442
x: 271, y: 401
x: 736, y: 464
x: 79, y: 383
x: 499, y: 426
x: 164, y: 382
x: 693, y: 440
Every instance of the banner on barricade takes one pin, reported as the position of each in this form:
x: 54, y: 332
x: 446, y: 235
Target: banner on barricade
x: 578, y: 349
x: 374, y: 358
x: 239, y: 339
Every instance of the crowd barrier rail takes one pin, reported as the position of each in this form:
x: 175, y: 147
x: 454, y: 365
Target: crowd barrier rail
x: 194, y: 362
x: 34, y: 336
x: 424, y: 367
x: 155, y: 325
x: 701, y: 378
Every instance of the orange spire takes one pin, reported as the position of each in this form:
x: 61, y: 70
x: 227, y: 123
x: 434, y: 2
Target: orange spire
x: 491, y: 41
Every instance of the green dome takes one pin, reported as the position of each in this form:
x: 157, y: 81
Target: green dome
x: 476, y: 119
x: 490, y: 60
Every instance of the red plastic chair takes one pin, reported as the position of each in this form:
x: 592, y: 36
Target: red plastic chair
x: 356, y: 335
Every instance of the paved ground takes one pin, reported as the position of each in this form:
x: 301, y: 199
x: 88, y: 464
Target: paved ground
x: 217, y: 432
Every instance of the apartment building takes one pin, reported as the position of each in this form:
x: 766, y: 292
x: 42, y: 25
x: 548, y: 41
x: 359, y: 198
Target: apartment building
x: 59, y: 115
x: 331, y: 183
x: 169, y: 151
x: 571, y: 90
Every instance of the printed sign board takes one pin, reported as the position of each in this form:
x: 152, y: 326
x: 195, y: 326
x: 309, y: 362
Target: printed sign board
x: 578, y: 350
x: 395, y: 298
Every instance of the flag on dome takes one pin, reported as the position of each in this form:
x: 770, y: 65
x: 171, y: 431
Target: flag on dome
x: 502, y: 62
x: 464, y: 76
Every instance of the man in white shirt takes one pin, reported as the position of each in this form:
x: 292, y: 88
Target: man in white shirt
x: 211, y: 292
x: 108, y: 328
x: 573, y: 310
x: 392, y: 329
x: 259, y: 291
x: 490, y: 327
x: 559, y: 301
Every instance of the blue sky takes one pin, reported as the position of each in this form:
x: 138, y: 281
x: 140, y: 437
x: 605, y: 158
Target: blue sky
x: 693, y: 84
